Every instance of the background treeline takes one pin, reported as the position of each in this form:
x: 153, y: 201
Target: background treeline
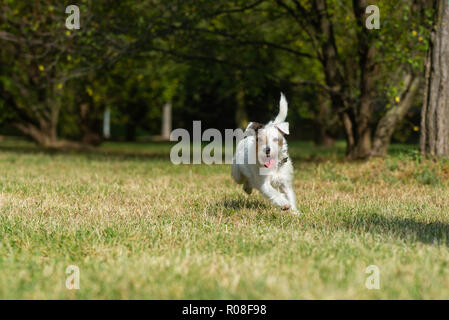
x: 221, y: 62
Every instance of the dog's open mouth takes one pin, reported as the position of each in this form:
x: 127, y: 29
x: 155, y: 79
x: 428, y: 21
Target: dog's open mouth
x: 269, y: 163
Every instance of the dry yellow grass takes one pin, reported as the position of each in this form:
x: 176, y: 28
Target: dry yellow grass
x: 139, y: 227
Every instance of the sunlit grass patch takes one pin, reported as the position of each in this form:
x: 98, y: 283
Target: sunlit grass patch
x: 138, y: 226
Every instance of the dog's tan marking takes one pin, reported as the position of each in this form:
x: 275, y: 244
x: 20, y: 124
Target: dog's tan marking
x: 260, y: 135
x: 280, y: 140
x: 256, y: 126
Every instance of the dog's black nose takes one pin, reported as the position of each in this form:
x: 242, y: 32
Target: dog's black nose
x: 267, y: 150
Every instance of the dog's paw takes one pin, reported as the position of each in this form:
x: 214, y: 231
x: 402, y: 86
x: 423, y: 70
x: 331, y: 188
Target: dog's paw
x: 296, y: 212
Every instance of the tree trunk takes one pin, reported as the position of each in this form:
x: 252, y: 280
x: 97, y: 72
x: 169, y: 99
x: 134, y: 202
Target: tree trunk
x: 166, y: 121
x: 356, y: 120
x: 435, y: 112
x: 46, y: 138
x: 329, y: 58
x: 241, y: 117
x: 387, y: 124
x: 42, y: 136
x: 107, y: 123
x: 323, y: 122
x: 88, y: 126
x: 349, y: 131
x: 323, y: 139
x: 368, y: 70
x: 42, y: 129
x: 38, y: 121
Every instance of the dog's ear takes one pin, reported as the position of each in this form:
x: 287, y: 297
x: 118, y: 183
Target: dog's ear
x: 282, y: 127
x: 253, y: 127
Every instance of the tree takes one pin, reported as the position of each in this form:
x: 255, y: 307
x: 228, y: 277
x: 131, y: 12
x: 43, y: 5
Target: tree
x: 387, y: 124
x: 405, y: 55
x: 357, y: 62
x: 435, y: 112
x: 30, y: 62
x: 39, y: 59
x: 235, y: 57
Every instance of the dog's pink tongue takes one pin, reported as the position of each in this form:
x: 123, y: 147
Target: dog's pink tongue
x: 269, y: 164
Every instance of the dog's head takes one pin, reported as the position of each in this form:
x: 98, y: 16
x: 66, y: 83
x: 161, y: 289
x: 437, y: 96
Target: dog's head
x: 269, y: 141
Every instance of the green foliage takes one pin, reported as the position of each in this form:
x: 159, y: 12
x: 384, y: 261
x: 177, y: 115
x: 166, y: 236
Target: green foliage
x: 134, y: 56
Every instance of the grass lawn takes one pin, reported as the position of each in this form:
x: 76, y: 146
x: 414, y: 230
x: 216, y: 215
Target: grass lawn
x: 139, y: 227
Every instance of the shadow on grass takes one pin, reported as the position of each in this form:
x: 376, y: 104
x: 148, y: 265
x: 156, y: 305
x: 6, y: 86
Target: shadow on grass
x: 401, y: 228
x: 242, y: 203
x: 300, y: 151
x: 110, y: 154
x: 98, y: 154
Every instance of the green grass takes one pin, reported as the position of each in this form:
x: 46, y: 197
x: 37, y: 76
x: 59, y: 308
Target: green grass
x: 139, y: 227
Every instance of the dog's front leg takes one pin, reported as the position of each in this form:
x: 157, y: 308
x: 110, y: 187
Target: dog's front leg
x: 274, y: 195
x: 288, y: 189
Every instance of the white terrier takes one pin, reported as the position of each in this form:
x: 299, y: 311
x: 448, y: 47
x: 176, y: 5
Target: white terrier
x: 272, y: 172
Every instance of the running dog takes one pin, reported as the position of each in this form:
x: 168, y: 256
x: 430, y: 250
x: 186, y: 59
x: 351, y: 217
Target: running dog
x: 261, y: 161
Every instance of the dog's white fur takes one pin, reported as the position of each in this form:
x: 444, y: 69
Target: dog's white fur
x: 274, y: 182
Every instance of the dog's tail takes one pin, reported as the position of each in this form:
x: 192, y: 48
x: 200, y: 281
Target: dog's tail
x: 283, y: 106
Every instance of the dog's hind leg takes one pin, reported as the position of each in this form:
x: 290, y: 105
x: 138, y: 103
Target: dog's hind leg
x: 246, y: 187
x: 237, y: 175
x: 241, y: 179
